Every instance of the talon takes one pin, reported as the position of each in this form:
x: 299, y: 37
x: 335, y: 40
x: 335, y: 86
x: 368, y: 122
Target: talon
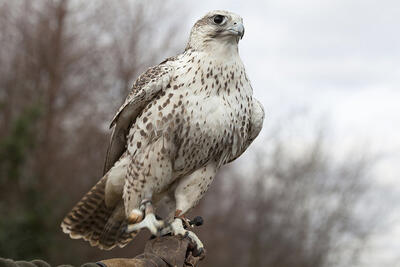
x: 166, y: 230
x: 150, y: 221
x: 199, y: 252
x: 177, y: 228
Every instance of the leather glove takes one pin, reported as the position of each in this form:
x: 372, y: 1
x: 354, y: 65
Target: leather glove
x: 160, y: 252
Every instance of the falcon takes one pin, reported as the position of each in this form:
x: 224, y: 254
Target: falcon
x: 182, y: 121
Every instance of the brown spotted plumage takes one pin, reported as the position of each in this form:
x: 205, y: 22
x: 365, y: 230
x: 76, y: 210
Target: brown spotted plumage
x: 181, y: 122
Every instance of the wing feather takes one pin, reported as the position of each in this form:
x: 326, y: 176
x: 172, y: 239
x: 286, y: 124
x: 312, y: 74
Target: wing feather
x: 257, y: 120
x: 146, y: 87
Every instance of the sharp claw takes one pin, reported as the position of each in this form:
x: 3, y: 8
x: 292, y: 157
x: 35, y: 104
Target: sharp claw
x: 178, y: 229
x: 199, y: 252
x: 166, y: 230
x: 159, y: 224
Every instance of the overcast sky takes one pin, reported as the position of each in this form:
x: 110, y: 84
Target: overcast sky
x: 338, y: 59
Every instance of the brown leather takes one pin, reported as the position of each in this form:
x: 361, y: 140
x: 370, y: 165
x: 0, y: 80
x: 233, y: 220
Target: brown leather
x: 146, y: 261
x: 161, y: 252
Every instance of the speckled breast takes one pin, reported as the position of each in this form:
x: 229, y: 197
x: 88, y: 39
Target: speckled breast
x: 214, y: 116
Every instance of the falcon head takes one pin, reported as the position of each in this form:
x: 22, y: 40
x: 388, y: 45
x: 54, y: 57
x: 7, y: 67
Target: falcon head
x: 216, y: 28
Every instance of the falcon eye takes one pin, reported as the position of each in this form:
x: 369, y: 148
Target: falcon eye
x: 218, y: 19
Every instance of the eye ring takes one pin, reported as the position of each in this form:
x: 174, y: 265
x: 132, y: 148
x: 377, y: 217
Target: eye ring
x: 218, y: 19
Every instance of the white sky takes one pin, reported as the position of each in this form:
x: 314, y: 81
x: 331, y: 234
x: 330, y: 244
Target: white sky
x: 338, y: 59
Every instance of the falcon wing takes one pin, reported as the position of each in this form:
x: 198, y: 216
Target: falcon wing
x: 257, y: 119
x: 145, y: 88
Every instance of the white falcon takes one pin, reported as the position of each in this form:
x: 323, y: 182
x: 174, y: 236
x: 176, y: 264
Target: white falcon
x: 182, y: 121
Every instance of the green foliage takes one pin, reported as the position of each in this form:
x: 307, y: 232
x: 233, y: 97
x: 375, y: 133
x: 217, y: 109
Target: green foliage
x: 15, y: 147
x: 23, y: 229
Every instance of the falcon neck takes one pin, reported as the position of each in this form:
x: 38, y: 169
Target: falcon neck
x: 219, y: 51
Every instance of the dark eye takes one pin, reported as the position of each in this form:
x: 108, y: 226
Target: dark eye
x: 218, y: 19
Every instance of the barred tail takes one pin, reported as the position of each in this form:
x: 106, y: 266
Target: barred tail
x: 93, y: 221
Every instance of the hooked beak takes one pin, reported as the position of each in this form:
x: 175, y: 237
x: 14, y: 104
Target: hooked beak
x: 237, y: 29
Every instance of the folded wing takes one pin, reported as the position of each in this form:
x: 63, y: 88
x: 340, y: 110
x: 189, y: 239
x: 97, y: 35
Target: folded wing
x: 145, y: 88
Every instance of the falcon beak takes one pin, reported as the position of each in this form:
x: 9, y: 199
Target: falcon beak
x: 237, y: 29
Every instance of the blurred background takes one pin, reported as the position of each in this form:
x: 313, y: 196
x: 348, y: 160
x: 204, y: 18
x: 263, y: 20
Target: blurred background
x: 319, y: 187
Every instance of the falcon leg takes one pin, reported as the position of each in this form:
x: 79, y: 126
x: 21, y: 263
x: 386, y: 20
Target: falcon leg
x: 150, y: 221
x: 149, y: 173
x: 177, y: 228
x: 187, y: 194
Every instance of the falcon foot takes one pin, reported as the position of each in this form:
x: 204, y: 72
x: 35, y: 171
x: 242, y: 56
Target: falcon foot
x: 197, y: 221
x: 177, y: 228
x: 150, y: 221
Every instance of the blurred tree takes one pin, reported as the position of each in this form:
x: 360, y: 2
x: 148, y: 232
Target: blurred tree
x: 15, y: 147
x: 23, y: 216
x: 66, y: 65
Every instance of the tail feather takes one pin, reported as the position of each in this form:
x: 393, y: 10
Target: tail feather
x: 93, y: 221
